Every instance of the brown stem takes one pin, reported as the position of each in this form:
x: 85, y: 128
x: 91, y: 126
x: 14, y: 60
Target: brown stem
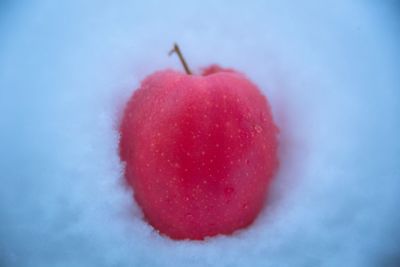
x: 176, y: 50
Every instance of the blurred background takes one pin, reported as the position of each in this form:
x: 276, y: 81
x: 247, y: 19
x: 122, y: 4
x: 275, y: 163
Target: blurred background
x: 329, y: 69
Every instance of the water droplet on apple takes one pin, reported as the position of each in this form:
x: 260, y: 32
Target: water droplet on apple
x: 189, y: 216
x: 228, y: 190
x: 258, y: 128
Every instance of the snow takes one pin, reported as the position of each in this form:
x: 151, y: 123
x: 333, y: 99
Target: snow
x: 330, y: 71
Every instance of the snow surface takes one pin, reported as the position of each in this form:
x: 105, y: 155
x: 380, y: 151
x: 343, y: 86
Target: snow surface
x: 329, y: 68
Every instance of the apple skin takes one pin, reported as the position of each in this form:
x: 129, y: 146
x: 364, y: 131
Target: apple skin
x: 199, y: 151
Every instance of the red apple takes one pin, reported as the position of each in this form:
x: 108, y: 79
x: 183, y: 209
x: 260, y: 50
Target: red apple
x: 200, y: 151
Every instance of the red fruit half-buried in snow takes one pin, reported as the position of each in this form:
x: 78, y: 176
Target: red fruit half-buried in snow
x: 200, y: 151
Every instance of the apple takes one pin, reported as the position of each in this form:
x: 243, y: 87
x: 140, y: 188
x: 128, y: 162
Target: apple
x: 200, y: 151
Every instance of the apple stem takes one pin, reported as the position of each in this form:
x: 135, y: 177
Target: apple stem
x: 176, y: 50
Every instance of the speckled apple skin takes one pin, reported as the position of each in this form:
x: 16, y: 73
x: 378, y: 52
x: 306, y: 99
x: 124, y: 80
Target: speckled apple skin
x: 200, y: 151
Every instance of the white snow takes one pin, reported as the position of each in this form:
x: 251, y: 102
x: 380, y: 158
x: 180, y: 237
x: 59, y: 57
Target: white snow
x: 329, y: 68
